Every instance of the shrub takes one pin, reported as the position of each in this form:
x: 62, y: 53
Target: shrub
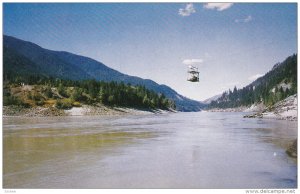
x: 76, y: 94
x: 40, y: 102
x: 35, y: 96
x: 62, y: 91
x: 64, y: 104
x: 76, y: 104
x: 12, y: 100
x: 48, y: 92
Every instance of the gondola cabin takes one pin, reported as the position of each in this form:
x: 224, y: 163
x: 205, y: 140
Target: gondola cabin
x: 193, y: 74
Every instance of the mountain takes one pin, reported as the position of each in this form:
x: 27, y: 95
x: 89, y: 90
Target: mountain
x: 209, y: 100
x: 25, y: 58
x: 279, y: 83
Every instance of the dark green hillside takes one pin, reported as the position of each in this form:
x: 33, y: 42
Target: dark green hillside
x: 274, y: 86
x: 16, y: 65
x: 48, y: 63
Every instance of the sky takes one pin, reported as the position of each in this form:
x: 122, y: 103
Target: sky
x: 232, y: 44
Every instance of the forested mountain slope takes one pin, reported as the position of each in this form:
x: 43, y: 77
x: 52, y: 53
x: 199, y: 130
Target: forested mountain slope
x: 22, y: 58
x: 276, y: 85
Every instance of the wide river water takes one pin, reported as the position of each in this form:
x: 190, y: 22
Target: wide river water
x: 176, y: 150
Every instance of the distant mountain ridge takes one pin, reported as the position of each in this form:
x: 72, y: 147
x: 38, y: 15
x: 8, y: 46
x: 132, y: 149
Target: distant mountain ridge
x: 209, y: 100
x: 65, y: 65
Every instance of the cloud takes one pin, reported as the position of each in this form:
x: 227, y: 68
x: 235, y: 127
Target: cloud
x: 254, y: 77
x: 192, y: 61
x: 187, y: 11
x: 245, y: 20
x: 217, y: 6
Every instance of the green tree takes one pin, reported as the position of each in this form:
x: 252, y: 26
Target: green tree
x: 76, y: 94
x: 111, y: 100
x: 48, y: 92
x: 62, y: 90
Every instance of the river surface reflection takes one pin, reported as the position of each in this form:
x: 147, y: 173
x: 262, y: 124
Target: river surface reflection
x: 181, y: 150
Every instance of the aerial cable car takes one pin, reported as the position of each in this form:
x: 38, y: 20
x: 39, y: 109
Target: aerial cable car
x: 193, y: 74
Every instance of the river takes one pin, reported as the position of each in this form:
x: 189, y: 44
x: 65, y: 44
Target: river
x: 176, y: 150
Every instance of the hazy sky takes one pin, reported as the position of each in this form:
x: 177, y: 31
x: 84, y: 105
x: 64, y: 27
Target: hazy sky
x: 230, y: 43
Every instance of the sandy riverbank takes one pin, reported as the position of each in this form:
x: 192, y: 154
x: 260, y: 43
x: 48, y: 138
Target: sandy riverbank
x: 85, y: 110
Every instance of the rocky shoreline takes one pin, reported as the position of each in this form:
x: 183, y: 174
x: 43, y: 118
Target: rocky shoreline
x: 32, y: 112
x: 85, y: 110
x: 286, y: 109
x: 292, y: 149
x: 237, y: 109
